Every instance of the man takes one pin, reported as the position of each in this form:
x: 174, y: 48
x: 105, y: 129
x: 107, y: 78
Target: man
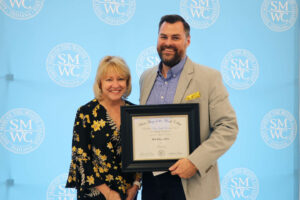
x: 179, y: 80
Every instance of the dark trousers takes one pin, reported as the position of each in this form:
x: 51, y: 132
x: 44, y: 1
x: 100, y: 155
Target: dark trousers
x: 162, y: 187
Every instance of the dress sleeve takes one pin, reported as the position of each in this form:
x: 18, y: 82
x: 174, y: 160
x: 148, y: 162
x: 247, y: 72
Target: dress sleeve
x: 82, y: 170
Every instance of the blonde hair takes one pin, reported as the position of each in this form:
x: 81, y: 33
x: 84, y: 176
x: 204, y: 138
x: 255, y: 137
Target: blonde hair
x: 116, y: 64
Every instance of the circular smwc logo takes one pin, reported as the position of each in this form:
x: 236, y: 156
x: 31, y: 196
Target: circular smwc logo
x: 278, y: 128
x: 21, y: 131
x: 21, y: 9
x: 114, y: 12
x: 147, y: 59
x: 240, y: 184
x: 200, y: 13
x: 240, y: 69
x: 68, y: 65
x: 279, y: 15
x: 57, y: 191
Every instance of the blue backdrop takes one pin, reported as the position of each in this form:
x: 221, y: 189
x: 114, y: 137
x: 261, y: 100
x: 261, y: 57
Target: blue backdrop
x: 49, y: 53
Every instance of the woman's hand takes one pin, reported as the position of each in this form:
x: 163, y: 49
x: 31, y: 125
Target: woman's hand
x: 108, y: 193
x: 131, y: 192
x: 113, y: 195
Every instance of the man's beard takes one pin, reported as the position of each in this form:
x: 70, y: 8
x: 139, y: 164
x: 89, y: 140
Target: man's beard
x: 170, y: 62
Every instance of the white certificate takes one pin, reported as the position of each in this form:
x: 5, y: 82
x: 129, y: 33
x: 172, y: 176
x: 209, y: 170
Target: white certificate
x: 163, y: 137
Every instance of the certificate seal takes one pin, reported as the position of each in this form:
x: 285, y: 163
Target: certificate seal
x: 161, y: 153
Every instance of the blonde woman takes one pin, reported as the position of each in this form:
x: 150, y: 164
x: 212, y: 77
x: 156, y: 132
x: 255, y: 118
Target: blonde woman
x: 95, y: 169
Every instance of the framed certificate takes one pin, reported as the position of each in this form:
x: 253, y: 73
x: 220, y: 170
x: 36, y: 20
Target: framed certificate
x: 154, y: 137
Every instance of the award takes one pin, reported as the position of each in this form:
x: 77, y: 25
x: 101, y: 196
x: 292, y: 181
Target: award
x: 154, y: 137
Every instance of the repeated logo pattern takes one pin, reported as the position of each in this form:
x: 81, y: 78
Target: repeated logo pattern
x: 21, y: 9
x: 114, y: 12
x: 278, y: 128
x: 279, y: 15
x: 240, y: 184
x: 68, y: 65
x: 146, y: 59
x: 200, y: 14
x: 240, y: 69
x: 57, y: 191
x: 21, y: 130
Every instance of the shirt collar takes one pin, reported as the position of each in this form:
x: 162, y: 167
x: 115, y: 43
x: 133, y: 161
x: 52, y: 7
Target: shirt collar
x: 175, y: 70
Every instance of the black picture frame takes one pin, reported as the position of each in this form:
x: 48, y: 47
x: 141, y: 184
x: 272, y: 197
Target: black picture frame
x: 191, y: 110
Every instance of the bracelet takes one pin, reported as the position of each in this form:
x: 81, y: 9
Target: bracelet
x: 138, y: 184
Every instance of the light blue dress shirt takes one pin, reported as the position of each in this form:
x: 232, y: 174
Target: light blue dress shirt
x: 164, y: 89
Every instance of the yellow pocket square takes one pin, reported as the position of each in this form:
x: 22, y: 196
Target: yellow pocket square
x: 193, y: 96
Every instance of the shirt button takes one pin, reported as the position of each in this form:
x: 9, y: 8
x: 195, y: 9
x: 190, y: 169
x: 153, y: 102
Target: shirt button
x: 162, y: 97
x: 174, y: 76
x: 166, y: 83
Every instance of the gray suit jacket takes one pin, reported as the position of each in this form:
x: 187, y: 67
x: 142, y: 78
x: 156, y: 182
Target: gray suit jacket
x: 218, y: 124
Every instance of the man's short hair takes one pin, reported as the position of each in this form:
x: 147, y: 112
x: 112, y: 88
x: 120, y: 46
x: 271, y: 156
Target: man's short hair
x: 173, y: 19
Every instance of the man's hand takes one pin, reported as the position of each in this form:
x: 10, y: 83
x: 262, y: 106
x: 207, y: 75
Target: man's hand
x: 184, y: 168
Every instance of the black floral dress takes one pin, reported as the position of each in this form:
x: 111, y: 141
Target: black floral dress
x: 96, y: 154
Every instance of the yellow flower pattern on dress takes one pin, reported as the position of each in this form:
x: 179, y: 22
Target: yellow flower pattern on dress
x: 116, y: 133
x: 96, y: 125
x: 95, y: 113
x: 109, y: 177
x: 87, y: 118
x: 101, y: 170
x: 103, y: 158
x: 70, y: 179
x: 79, y: 151
x: 102, y: 123
x: 81, y: 116
x: 90, y: 180
x: 109, y: 145
x: 96, y: 153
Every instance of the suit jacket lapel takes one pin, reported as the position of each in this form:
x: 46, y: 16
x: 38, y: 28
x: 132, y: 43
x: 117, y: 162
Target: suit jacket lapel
x: 148, y: 82
x: 184, y: 80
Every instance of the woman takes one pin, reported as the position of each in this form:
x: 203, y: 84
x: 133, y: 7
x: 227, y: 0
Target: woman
x: 95, y: 169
